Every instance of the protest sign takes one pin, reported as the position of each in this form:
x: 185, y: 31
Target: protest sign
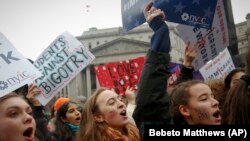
x: 219, y: 67
x: 210, y: 42
x: 198, y: 13
x: 132, y: 13
x: 15, y: 69
x: 174, y: 69
x: 120, y: 75
x: 59, y: 64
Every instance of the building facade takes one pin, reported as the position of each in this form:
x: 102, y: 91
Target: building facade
x: 112, y: 45
x: 243, y: 35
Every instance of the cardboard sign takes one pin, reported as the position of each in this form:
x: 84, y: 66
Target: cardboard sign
x: 15, y: 69
x: 59, y: 64
x: 219, y: 67
x: 210, y: 42
x: 198, y: 13
x: 120, y: 75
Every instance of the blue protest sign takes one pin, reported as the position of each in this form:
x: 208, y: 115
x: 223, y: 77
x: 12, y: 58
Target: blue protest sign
x: 199, y: 13
x: 132, y: 13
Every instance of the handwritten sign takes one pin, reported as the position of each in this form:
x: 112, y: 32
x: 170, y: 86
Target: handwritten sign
x: 15, y: 69
x: 59, y: 64
x: 198, y: 13
x: 120, y: 75
x: 219, y: 67
x: 210, y: 41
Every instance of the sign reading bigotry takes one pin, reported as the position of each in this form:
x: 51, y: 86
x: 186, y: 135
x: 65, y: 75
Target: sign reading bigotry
x: 59, y: 64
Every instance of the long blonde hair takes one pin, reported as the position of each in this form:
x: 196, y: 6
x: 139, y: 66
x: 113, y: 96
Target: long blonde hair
x: 90, y: 130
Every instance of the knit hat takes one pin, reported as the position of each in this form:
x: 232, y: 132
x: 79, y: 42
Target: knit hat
x: 59, y: 102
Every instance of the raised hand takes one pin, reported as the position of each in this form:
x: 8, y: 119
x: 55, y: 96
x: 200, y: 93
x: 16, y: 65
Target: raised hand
x: 33, y: 91
x: 130, y: 95
x: 190, y: 54
x: 150, y: 12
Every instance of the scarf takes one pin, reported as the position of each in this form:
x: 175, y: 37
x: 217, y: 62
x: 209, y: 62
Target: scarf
x: 130, y: 133
x: 73, y: 128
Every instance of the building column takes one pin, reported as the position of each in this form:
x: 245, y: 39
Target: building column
x: 97, y: 82
x: 88, y: 81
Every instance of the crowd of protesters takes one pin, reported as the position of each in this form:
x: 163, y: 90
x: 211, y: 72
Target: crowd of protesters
x: 106, y: 117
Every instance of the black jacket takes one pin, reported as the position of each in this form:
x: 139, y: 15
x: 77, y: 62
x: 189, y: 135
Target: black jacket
x: 152, y: 100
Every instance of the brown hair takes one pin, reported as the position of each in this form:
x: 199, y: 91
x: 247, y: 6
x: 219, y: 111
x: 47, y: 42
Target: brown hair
x: 93, y: 131
x: 217, y: 86
x: 180, y: 96
x: 7, y: 96
x: 236, y: 106
x: 14, y: 94
x: 237, y: 103
x: 228, y: 78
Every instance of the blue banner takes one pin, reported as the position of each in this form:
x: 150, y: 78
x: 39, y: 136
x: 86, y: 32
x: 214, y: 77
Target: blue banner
x: 199, y: 13
x: 132, y: 13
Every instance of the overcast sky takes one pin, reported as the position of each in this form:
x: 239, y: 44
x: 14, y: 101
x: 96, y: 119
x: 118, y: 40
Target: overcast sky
x: 31, y: 25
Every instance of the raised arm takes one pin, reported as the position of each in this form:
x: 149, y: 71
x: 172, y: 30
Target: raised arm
x: 187, y: 67
x: 152, y: 102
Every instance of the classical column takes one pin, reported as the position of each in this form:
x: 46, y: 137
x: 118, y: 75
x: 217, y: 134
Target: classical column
x: 88, y: 81
x: 97, y: 82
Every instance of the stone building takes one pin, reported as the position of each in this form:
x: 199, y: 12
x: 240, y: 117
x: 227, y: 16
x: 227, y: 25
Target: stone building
x: 243, y: 41
x: 243, y: 35
x: 112, y: 45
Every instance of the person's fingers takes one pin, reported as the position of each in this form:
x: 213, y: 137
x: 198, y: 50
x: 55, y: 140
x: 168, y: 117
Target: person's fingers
x: 152, y: 10
x: 148, y: 6
x: 37, y: 91
x: 163, y: 16
x: 187, y: 47
x: 158, y: 12
x: 130, y: 88
x: 31, y: 87
x: 151, y: 16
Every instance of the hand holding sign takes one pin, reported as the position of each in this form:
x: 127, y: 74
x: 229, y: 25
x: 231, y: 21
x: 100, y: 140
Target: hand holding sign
x: 33, y: 92
x: 150, y: 12
x: 190, y: 54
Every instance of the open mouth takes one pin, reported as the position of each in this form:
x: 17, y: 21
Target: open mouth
x: 217, y: 115
x: 123, y: 113
x: 78, y: 119
x: 28, y: 134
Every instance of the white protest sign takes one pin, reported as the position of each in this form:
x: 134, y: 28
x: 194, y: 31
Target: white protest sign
x: 59, y: 64
x: 210, y: 42
x: 15, y: 69
x: 219, y: 67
